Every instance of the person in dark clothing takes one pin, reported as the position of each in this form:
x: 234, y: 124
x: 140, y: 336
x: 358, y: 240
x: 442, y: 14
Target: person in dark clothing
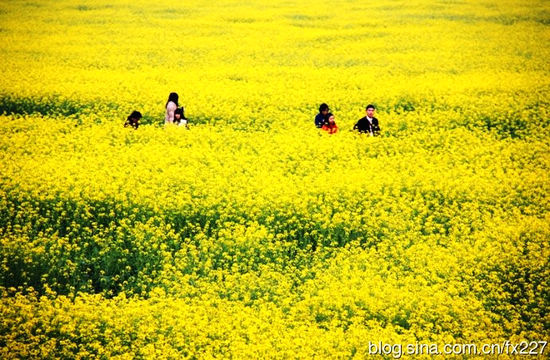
x: 321, y: 118
x: 133, y: 120
x: 368, y: 124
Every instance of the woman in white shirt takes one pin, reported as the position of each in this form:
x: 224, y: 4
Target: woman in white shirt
x: 171, y: 106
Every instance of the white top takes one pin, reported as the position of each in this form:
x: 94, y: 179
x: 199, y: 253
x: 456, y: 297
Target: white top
x: 370, y: 120
x: 170, y: 109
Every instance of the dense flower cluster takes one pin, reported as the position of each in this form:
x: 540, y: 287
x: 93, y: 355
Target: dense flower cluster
x: 254, y: 234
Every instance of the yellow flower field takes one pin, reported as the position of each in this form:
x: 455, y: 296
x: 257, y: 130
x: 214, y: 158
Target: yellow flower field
x: 253, y: 234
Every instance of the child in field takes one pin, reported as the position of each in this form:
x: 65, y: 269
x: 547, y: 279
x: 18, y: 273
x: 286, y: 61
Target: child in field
x: 133, y: 120
x: 179, y: 118
x: 330, y: 126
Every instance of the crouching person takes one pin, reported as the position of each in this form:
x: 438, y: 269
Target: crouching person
x: 133, y: 120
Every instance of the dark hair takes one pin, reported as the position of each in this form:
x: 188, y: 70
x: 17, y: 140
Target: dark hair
x: 172, y: 97
x: 370, y: 106
x: 323, y: 107
x: 180, y: 112
x: 133, y: 119
x: 135, y: 115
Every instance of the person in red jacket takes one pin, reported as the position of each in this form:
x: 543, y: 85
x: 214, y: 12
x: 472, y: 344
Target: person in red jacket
x: 330, y: 126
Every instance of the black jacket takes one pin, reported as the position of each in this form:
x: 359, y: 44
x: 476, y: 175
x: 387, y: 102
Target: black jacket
x: 320, y: 119
x: 364, y: 126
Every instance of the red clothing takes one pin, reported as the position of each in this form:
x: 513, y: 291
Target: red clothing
x: 331, y: 128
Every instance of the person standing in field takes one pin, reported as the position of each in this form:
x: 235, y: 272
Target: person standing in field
x: 321, y: 118
x: 330, y: 126
x: 368, y: 124
x: 171, y: 106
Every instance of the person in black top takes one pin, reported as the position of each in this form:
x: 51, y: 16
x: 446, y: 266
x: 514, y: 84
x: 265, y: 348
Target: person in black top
x: 321, y: 118
x: 368, y: 124
x: 133, y: 120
